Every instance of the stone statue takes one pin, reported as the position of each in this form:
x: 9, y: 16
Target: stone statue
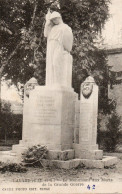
x: 59, y: 44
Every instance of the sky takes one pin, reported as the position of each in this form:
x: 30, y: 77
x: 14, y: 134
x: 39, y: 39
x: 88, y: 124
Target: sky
x: 112, y: 35
x: 112, y: 32
x: 10, y: 93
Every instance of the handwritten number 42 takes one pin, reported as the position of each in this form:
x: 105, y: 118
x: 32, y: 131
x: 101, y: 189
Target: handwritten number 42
x: 88, y: 187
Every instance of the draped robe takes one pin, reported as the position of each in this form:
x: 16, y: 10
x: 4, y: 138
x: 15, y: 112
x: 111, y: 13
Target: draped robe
x: 58, y: 58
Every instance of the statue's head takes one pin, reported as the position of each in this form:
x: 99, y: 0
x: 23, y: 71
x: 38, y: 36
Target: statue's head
x: 56, y: 18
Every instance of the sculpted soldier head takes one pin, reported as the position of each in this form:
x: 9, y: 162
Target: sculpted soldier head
x: 87, y: 87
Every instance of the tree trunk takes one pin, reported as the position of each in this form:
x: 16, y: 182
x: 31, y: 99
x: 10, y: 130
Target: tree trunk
x: 5, y: 137
x: 0, y: 91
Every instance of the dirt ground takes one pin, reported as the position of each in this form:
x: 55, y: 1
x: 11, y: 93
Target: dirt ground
x: 41, y: 174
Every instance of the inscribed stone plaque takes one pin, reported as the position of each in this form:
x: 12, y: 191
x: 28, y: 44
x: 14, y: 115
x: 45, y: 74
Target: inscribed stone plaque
x: 85, y: 121
x: 45, y: 110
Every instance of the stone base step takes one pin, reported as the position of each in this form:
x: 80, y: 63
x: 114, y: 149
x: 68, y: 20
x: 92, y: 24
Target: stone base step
x: 52, y: 154
x: 18, y: 149
x: 61, y: 155
x: 84, y: 153
x: 8, y: 158
x: 106, y: 162
x: 5, y: 153
x: 89, y: 154
x: 13, y: 153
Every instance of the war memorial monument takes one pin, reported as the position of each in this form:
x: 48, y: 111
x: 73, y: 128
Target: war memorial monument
x: 54, y: 116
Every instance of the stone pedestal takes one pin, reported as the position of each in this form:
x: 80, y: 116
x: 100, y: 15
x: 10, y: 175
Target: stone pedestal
x: 54, y: 117
x: 88, y: 115
x: 29, y: 86
x: 49, y: 118
x: 77, y: 119
x: 87, y: 147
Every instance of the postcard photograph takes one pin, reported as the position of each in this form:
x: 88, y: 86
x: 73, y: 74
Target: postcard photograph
x: 60, y: 96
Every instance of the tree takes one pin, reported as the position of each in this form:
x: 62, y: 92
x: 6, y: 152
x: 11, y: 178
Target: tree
x: 20, y: 49
x: 23, y: 52
x: 87, y: 19
x: 10, y: 42
x: 23, y: 46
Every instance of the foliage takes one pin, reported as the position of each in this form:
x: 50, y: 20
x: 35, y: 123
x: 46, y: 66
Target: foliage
x: 113, y: 132
x: 4, y: 27
x: 23, y: 50
x: 86, y: 19
x: 12, y: 167
x: 34, y: 154
x: 109, y: 129
x: 10, y: 124
x: 5, y: 106
x: 106, y: 105
x: 26, y: 46
x: 13, y: 53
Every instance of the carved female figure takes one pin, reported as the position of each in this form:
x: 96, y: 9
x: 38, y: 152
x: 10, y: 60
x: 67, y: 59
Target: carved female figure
x: 59, y: 44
